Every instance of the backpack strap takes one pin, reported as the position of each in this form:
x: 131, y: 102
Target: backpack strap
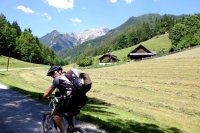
x: 68, y: 74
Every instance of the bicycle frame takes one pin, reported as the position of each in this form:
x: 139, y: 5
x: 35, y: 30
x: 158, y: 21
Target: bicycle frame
x: 70, y: 128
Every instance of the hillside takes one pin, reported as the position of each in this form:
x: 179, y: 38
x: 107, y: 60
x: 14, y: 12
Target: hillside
x: 159, y: 44
x: 156, y: 95
x: 132, y: 21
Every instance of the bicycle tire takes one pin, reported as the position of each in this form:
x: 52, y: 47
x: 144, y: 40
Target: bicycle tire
x: 48, y: 124
x: 79, y: 130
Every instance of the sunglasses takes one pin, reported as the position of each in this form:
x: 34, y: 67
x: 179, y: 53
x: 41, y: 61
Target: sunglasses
x: 53, y: 73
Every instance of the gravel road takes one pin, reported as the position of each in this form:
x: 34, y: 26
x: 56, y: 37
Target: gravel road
x: 21, y: 114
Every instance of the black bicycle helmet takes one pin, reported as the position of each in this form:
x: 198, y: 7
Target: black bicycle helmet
x: 53, y: 69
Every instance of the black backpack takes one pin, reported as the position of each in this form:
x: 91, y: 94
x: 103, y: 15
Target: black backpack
x: 82, y: 82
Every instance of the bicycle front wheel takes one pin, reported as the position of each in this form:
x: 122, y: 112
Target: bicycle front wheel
x: 48, y: 124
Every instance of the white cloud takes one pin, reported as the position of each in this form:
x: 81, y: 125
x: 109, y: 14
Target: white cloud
x: 113, y: 1
x: 75, y: 21
x: 25, y: 9
x: 61, y: 4
x: 30, y: 11
x: 128, y: 1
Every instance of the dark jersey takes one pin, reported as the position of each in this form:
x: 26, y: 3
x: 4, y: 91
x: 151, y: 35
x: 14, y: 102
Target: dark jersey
x: 73, y: 101
x: 63, y: 84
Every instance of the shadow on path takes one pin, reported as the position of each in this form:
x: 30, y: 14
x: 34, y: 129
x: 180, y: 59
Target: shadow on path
x: 18, y: 113
x: 21, y: 114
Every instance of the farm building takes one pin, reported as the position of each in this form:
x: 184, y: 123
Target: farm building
x: 140, y: 52
x: 108, y: 58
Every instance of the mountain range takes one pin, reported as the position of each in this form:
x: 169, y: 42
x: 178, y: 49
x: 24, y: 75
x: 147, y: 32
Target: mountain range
x: 58, y: 41
x: 93, y: 42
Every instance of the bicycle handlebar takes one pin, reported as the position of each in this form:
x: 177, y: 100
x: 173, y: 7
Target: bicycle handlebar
x: 53, y: 101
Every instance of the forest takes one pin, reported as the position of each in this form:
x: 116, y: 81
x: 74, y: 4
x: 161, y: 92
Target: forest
x: 24, y: 45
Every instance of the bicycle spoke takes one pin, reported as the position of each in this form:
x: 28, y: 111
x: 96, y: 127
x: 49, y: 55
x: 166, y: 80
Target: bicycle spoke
x: 48, y: 125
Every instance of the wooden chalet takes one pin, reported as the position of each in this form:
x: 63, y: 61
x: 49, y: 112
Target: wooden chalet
x: 108, y: 58
x: 140, y: 52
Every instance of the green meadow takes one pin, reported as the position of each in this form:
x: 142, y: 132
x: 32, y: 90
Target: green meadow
x: 14, y: 63
x: 158, y: 95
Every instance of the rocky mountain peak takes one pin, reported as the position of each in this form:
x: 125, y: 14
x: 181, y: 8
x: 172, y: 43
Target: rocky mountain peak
x: 58, y: 41
x: 91, y: 34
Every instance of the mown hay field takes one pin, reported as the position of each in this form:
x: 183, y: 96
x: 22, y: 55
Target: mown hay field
x: 164, y: 91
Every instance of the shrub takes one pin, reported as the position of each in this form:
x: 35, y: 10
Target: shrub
x: 84, y: 61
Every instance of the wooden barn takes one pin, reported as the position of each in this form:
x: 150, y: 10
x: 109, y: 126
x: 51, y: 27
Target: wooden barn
x: 108, y: 58
x: 140, y: 52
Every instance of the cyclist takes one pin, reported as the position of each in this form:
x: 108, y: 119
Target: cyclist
x: 70, y: 101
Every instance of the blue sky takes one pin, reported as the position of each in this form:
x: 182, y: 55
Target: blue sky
x: 43, y: 16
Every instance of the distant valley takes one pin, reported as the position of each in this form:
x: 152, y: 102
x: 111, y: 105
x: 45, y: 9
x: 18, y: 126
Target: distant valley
x: 58, y: 41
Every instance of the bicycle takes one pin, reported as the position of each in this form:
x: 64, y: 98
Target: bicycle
x: 49, y: 125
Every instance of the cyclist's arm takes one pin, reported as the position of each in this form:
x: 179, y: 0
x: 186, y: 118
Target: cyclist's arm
x: 48, y: 92
x: 51, y: 88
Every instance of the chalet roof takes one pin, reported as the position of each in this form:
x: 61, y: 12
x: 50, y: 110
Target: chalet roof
x: 140, y: 52
x: 109, y: 58
x: 108, y: 55
x: 136, y: 50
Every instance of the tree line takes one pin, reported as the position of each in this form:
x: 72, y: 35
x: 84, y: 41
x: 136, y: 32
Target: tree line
x: 186, y: 33
x: 23, y: 45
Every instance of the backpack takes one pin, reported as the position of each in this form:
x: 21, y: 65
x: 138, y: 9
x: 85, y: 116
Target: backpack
x: 81, y: 81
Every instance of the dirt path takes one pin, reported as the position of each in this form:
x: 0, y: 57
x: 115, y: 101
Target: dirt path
x: 25, y: 68
x: 20, y: 114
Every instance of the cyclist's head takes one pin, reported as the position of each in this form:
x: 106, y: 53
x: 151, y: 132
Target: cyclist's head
x: 53, y: 69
